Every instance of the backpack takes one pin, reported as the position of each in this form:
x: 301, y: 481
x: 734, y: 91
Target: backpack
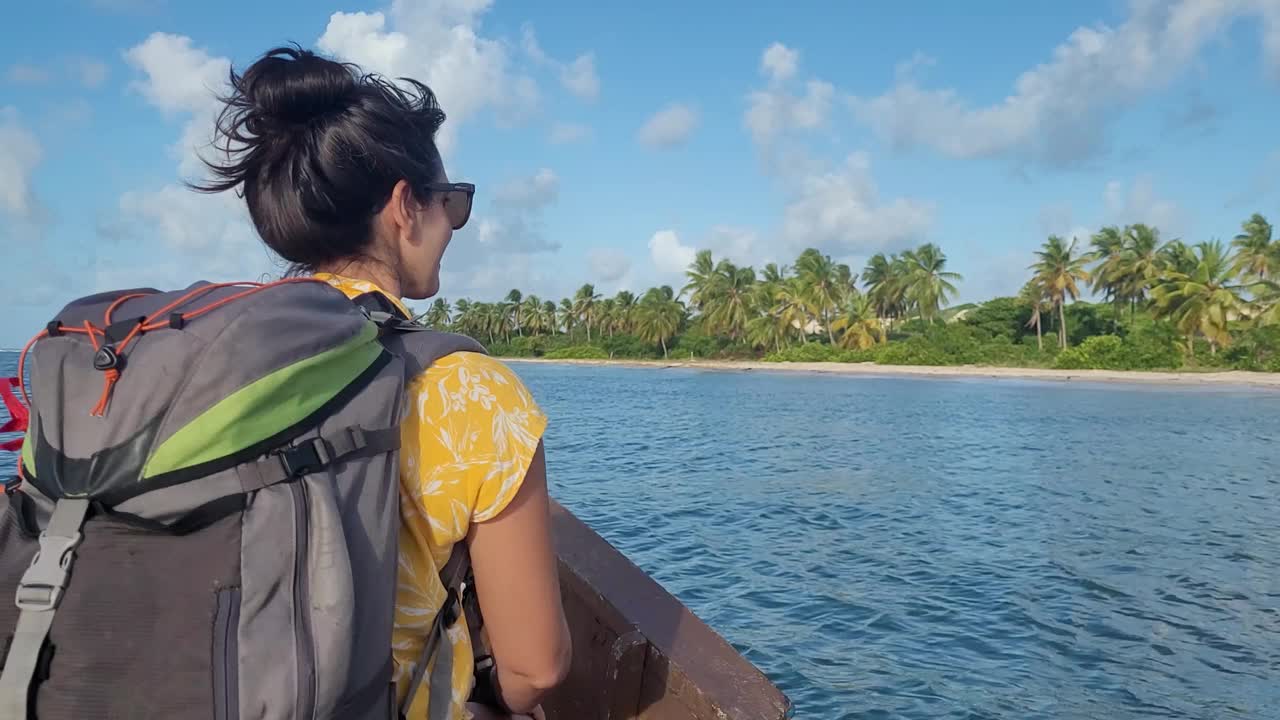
x: 206, y: 517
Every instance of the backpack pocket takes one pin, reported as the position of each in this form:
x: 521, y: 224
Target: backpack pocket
x: 226, y: 655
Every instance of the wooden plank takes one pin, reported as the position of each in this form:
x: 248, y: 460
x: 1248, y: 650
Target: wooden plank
x: 688, y: 671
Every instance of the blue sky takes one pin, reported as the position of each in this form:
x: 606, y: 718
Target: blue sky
x: 609, y: 141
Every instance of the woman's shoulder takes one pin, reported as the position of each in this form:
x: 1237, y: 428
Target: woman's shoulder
x: 471, y: 382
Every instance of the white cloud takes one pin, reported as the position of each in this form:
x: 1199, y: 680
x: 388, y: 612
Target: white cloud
x: 1139, y: 203
x: 438, y: 43
x: 739, y: 244
x: 88, y: 72
x: 20, y: 153
x: 668, y: 255
x: 566, y: 133
x: 24, y: 222
x: 534, y: 192
x: 779, y: 62
x: 513, y: 222
x: 841, y: 210
x: 91, y: 73
x: 210, y: 235
x: 578, y: 77
x: 775, y: 111
x: 608, y: 265
x: 1057, y: 111
x: 180, y: 78
x: 669, y: 127
x: 24, y: 74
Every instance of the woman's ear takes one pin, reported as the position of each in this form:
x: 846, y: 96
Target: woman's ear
x: 399, y: 211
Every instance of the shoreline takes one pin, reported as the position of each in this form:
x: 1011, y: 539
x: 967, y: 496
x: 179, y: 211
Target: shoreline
x: 1224, y: 378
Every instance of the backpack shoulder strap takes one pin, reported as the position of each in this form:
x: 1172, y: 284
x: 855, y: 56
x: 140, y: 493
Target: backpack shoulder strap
x: 420, y: 347
x: 458, y: 583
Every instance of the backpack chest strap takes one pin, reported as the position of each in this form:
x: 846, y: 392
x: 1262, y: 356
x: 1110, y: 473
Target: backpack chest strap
x: 39, y: 593
x: 316, y: 454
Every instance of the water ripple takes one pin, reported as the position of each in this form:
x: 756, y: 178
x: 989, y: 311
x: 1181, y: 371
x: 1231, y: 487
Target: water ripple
x: 889, y: 548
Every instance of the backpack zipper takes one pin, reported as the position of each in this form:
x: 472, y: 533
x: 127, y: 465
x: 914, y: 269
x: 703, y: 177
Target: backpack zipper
x: 226, y: 699
x: 302, y: 602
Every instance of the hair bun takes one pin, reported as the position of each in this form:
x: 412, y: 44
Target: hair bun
x: 289, y: 85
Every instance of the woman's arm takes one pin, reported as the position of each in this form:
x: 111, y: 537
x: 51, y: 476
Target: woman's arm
x: 519, y: 591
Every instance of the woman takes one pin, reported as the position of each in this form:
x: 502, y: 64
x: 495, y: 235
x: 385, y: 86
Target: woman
x: 343, y: 180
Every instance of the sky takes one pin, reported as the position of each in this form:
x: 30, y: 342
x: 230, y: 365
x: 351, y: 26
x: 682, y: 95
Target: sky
x: 610, y: 141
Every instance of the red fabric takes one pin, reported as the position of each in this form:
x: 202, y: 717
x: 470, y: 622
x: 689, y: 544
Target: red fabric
x: 18, y: 414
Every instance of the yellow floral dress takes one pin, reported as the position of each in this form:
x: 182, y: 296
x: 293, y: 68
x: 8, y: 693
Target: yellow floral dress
x: 471, y: 431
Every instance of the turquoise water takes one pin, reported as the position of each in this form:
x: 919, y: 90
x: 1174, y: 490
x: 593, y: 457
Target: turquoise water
x: 919, y: 548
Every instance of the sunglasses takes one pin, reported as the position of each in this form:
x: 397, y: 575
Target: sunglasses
x: 457, y: 201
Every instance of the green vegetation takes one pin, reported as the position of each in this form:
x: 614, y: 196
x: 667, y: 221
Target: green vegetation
x: 1164, y: 305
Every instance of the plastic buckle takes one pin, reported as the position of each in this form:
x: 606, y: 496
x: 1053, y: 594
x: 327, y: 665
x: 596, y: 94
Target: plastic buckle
x: 12, y: 484
x: 304, y: 459
x: 452, y: 608
x: 45, y: 580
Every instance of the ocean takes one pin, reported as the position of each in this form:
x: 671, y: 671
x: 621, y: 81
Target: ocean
x: 944, y: 548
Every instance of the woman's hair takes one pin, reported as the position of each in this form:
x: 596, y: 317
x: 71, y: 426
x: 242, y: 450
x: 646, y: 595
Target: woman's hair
x: 317, y: 147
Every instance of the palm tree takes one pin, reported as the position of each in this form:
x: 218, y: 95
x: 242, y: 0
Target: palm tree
x: 1204, y: 300
x: 437, y: 316
x: 823, y: 284
x: 702, y: 280
x: 1140, y: 264
x: 567, y: 315
x: 792, y: 307
x: 511, y: 306
x: 659, y: 316
x: 1060, y: 271
x: 1258, y: 256
x: 463, y: 316
x: 548, y: 317
x: 1108, y: 251
x: 584, y: 306
x: 884, y: 281
x: 625, y: 305
x: 860, y: 327
x: 529, y: 314
x: 1033, y: 294
x: 728, y: 306
x: 1177, y: 256
x: 1266, y: 302
x: 928, y: 284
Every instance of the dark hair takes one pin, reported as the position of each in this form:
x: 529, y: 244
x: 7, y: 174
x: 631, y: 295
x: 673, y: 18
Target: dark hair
x: 317, y: 147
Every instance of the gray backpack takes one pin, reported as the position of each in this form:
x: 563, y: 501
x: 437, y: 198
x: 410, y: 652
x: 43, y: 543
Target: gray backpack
x: 206, y: 519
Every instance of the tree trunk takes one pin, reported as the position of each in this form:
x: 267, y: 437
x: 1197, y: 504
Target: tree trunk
x: 663, y: 341
x: 1039, y: 336
x: 1062, y: 325
x: 826, y: 321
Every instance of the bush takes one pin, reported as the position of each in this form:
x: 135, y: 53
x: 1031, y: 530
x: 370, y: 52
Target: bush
x: 629, y: 347
x: 1150, y: 348
x: 1254, y: 349
x: 912, y: 351
x: 1001, y: 317
x: 520, y: 347
x: 695, y: 343
x: 578, y: 352
x: 821, y: 352
x: 1085, y: 320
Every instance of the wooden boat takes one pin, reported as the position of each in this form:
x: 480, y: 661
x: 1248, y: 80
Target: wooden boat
x: 638, y: 651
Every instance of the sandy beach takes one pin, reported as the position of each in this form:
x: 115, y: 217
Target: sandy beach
x: 1189, y: 379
